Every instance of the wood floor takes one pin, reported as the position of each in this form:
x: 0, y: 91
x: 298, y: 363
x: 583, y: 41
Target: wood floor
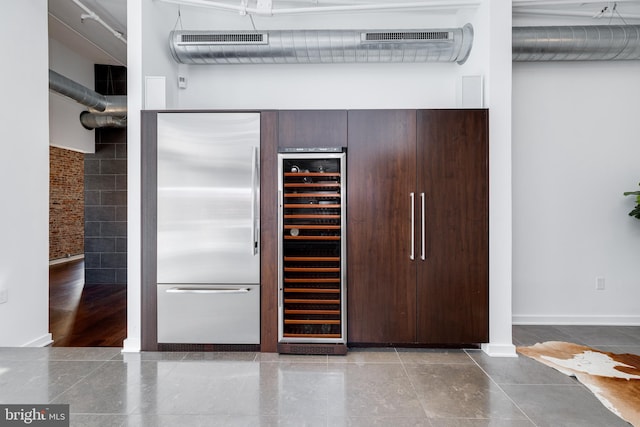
x: 85, y: 315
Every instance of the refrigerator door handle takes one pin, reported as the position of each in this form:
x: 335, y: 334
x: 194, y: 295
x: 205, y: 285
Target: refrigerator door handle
x: 255, y: 203
x: 208, y: 291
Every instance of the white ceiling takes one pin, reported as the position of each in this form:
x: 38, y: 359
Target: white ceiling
x: 87, y: 37
x: 91, y: 40
x: 602, y: 12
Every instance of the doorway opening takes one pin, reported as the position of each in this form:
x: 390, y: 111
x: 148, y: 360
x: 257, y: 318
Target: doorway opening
x: 88, y: 234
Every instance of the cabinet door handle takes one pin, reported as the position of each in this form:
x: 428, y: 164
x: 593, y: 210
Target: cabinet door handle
x: 413, y: 225
x: 423, y: 255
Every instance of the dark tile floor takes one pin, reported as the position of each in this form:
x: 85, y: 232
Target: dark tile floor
x: 368, y: 387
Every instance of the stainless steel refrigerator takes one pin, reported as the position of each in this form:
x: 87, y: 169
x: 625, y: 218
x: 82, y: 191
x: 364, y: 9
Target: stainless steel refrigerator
x: 208, y: 228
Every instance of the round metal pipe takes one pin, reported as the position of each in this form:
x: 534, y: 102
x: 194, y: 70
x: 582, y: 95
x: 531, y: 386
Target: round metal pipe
x: 83, y: 95
x: 115, y: 105
x: 92, y: 121
x: 576, y: 43
x: 321, y: 46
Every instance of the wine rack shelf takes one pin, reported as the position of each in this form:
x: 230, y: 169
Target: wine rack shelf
x: 312, y: 248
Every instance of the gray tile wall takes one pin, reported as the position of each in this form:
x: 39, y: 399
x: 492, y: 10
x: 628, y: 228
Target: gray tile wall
x: 105, y: 192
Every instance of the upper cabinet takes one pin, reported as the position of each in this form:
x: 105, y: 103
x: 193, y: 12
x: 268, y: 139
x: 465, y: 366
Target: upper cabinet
x: 418, y: 226
x: 312, y: 128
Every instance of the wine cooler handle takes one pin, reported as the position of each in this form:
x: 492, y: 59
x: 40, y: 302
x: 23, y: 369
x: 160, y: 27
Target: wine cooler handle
x: 255, y: 203
x: 281, y: 227
x: 412, y: 196
x: 423, y: 255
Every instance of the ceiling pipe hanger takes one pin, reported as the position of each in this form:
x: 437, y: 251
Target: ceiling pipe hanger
x: 90, y: 14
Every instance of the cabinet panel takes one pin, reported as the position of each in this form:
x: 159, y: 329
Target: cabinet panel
x: 312, y: 128
x: 452, y: 289
x: 381, y: 278
x: 269, y: 231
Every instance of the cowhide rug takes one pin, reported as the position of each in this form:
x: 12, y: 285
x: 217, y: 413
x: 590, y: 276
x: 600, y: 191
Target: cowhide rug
x: 613, y: 378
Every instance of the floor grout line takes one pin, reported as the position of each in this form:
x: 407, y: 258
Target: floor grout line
x: 502, y: 390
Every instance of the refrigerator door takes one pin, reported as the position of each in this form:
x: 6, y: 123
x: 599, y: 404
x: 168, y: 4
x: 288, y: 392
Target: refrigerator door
x: 208, y: 198
x: 204, y: 314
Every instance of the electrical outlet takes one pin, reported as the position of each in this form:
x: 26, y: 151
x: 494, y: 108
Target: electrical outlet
x: 600, y: 283
x: 4, y: 296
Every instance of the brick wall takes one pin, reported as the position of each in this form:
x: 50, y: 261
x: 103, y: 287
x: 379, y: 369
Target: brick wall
x: 105, y: 193
x: 66, y: 203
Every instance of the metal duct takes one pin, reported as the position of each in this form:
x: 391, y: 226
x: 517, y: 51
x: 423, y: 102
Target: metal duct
x: 92, y: 121
x: 576, y: 43
x: 114, y: 105
x: 321, y: 46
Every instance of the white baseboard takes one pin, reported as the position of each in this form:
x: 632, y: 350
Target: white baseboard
x: 500, y: 350
x: 67, y: 259
x: 596, y: 320
x: 131, y: 346
x: 43, y: 341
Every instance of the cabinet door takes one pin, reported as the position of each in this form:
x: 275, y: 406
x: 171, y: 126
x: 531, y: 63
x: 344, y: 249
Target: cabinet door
x: 312, y: 128
x: 381, y: 163
x: 452, y: 288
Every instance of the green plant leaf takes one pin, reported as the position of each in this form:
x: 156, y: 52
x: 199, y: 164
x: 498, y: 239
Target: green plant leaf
x: 636, y: 211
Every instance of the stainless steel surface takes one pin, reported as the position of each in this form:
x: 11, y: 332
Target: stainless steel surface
x: 412, y: 197
x: 576, y: 43
x: 208, y: 198
x: 423, y: 237
x: 209, y: 314
x: 321, y: 46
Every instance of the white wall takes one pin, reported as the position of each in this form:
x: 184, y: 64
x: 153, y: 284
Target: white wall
x: 576, y: 133
x: 497, y: 32
x: 575, y: 151
x: 65, y: 130
x: 24, y: 176
x: 134, y: 188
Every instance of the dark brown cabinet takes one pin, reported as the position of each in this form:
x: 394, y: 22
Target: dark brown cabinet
x: 418, y: 226
x: 381, y: 281
x: 312, y: 128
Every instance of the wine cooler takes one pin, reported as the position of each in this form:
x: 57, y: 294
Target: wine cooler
x: 312, y: 251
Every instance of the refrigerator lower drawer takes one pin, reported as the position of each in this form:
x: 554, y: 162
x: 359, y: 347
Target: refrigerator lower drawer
x: 209, y: 314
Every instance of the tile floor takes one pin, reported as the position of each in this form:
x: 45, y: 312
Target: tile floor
x: 368, y: 387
